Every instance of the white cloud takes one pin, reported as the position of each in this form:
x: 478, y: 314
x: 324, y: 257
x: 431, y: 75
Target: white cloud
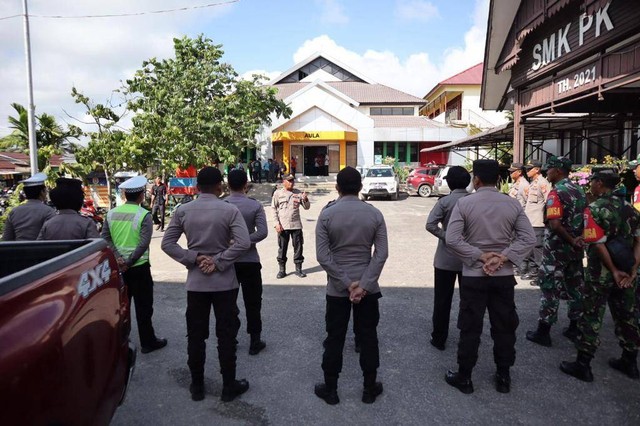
x: 93, y: 55
x: 419, y: 72
x: 332, y: 12
x: 416, y: 10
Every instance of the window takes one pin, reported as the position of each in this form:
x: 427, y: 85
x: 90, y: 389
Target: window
x: 391, y: 111
x: 413, y: 152
x: 402, y: 152
x: 378, y: 148
x: 352, y: 154
x: 379, y: 173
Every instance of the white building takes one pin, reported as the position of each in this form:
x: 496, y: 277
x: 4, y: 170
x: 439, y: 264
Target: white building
x: 342, y: 118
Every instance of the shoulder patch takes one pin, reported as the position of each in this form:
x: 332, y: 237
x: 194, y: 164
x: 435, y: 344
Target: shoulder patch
x: 330, y: 203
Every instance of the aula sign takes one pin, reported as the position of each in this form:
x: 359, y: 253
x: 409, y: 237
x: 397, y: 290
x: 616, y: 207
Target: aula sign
x: 556, y: 45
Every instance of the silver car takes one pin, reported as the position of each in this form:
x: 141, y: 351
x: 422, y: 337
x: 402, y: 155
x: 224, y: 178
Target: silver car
x: 441, y: 187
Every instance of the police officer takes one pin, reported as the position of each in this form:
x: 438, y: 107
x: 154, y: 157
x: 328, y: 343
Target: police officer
x: 346, y: 231
x: 561, y: 274
x: 216, y: 237
x: 128, y: 229
x: 286, y: 204
x: 520, y: 186
x: 446, y: 265
x: 25, y: 221
x: 68, y: 223
x: 158, y: 203
x: 536, y: 197
x: 607, y: 217
x: 490, y: 233
x: 248, y: 265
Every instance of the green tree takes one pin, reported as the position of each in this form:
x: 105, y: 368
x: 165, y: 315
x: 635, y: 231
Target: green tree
x: 51, y: 137
x: 194, y: 110
x: 109, y: 147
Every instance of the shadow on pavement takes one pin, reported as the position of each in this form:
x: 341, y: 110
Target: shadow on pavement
x: 283, y: 375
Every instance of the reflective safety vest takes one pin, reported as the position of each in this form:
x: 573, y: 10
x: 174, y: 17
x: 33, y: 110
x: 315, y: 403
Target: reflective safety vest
x: 125, y: 223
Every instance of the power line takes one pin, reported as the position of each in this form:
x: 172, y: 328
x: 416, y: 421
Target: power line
x: 180, y: 9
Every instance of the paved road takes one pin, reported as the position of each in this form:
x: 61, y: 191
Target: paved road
x: 283, y: 375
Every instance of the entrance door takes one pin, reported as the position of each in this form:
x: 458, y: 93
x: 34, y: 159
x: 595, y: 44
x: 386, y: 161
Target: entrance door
x: 297, y: 153
x: 314, y: 161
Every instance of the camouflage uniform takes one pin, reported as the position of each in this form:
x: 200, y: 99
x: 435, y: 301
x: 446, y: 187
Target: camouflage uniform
x: 561, y: 273
x: 606, y: 218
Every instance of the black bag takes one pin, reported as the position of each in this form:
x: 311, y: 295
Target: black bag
x: 621, y: 253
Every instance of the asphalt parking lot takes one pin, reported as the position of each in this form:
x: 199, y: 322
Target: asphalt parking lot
x: 283, y: 375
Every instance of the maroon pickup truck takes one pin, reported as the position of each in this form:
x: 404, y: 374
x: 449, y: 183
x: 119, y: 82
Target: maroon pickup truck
x: 65, y: 354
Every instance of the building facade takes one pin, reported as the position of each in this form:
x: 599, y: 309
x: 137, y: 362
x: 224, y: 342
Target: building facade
x: 342, y: 118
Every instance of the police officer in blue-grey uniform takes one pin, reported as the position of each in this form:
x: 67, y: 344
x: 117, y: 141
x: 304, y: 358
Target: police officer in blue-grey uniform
x: 68, y: 223
x: 248, y: 265
x: 346, y: 231
x: 25, y: 221
x: 128, y: 230
x: 216, y: 237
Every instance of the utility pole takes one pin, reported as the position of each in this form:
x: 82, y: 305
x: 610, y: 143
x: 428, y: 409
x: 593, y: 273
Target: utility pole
x: 33, y: 147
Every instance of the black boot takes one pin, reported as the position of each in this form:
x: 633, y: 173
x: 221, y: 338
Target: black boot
x: 532, y: 274
x: 580, y: 369
x: 541, y: 335
x: 572, y: 331
x: 371, y: 388
x: 197, y: 386
x: 256, y: 344
x: 502, y: 380
x: 627, y: 364
x: 460, y: 380
x: 328, y: 391
x: 283, y: 272
x: 299, y: 272
x: 231, y: 388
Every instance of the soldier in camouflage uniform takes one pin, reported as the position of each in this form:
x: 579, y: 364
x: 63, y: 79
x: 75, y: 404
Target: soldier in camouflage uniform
x: 561, y: 272
x: 607, y: 217
x: 636, y: 204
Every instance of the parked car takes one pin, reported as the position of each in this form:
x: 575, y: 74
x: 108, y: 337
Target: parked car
x: 380, y: 181
x: 421, y: 180
x: 441, y: 187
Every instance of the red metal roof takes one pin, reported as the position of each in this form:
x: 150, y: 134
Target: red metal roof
x: 471, y: 75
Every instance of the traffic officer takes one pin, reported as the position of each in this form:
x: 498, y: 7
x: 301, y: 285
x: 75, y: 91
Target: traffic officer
x: 25, y: 221
x: 446, y: 265
x: 520, y: 186
x: 346, y: 231
x: 128, y: 229
x: 536, y: 197
x: 216, y: 237
x: 490, y: 233
x: 68, y: 223
x: 561, y: 274
x: 248, y: 265
x: 285, y: 204
x: 607, y: 217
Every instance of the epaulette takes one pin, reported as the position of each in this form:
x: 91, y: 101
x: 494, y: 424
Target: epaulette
x: 329, y: 204
x: 251, y: 198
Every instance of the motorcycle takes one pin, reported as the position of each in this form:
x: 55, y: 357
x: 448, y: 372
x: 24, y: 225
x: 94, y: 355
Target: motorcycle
x: 90, y: 211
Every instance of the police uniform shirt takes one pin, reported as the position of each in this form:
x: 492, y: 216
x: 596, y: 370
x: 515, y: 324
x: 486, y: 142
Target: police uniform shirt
x: 444, y: 258
x: 256, y: 221
x: 536, y: 200
x: 214, y: 228
x: 146, y: 232
x: 519, y: 190
x: 345, y: 232
x: 488, y: 221
x: 25, y: 221
x: 68, y: 225
x: 286, y: 208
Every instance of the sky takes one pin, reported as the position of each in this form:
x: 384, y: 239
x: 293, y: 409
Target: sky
x: 409, y: 45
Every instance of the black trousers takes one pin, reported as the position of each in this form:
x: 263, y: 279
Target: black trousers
x: 445, y: 282
x: 140, y: 287
x: 226, y: 312
x: 366, y: 317
x: 283, y: 244
x: 250, y: 278
x: 155, y: 210
x: 495, y: 294
x: 257, y: 176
